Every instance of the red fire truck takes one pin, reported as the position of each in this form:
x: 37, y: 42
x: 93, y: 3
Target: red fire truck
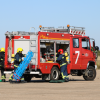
x: 45, y: 43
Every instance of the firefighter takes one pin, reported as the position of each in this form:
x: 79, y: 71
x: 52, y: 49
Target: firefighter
x: 17, y: 61
x: 2, y: 57
x: 63, y: 65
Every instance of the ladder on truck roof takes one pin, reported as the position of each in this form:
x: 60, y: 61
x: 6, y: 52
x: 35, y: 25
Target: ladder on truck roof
x: 72, y: 30
x: 33, y: 44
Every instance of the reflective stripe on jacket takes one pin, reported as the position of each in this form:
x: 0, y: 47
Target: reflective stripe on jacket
x: 15, y: 65
x: 64, y: 76
x: 3, y: 77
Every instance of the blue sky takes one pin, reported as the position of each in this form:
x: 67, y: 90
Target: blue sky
x: 20, y: 15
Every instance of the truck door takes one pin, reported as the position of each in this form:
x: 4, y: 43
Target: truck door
x: 76, y: 51
x: 86, y: 52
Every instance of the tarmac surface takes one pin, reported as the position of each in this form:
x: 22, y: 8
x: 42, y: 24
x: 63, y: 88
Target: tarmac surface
x: 76, y: 89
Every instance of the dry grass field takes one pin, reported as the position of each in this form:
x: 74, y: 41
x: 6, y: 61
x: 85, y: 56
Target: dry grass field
x: 98, y: 62
x: 76, y: 89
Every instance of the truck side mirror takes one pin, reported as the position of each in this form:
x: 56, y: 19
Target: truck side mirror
x: 93, y: 44
x: 97, y: 48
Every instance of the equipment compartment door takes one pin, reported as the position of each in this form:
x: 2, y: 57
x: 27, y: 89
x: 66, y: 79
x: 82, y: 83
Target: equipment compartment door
x: 76, y: 51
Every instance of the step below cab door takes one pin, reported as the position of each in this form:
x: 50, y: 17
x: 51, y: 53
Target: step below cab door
x: 76, y: 53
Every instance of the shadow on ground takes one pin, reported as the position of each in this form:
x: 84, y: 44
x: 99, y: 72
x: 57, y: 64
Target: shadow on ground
x: 43, y: 81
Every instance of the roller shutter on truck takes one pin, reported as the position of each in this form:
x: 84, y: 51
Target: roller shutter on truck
x: 26, y: 40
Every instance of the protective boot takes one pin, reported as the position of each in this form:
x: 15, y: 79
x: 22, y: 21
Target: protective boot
x: 66, y: 79
x: 10, y: 80
x: 23, y: 80
x: 3, y: 80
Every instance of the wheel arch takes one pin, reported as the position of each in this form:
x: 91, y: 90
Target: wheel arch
x: 91, y: 63
x: 56, y: 66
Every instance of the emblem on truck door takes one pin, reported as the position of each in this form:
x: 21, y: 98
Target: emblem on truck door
x: 86, y: 54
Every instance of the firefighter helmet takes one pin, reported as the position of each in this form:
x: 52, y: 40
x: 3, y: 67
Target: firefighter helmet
x: 2, y: 50
x: 60, y: 51
x: 19, y: 50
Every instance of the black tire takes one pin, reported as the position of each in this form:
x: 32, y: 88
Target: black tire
x: 54, y: 73
x: 27, y: 78
x: 91, y: 74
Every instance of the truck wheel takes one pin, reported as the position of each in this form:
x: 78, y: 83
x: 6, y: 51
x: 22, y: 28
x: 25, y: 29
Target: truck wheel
x: 54, y: 73
x: 27, y: 78
x: 90, y: 74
